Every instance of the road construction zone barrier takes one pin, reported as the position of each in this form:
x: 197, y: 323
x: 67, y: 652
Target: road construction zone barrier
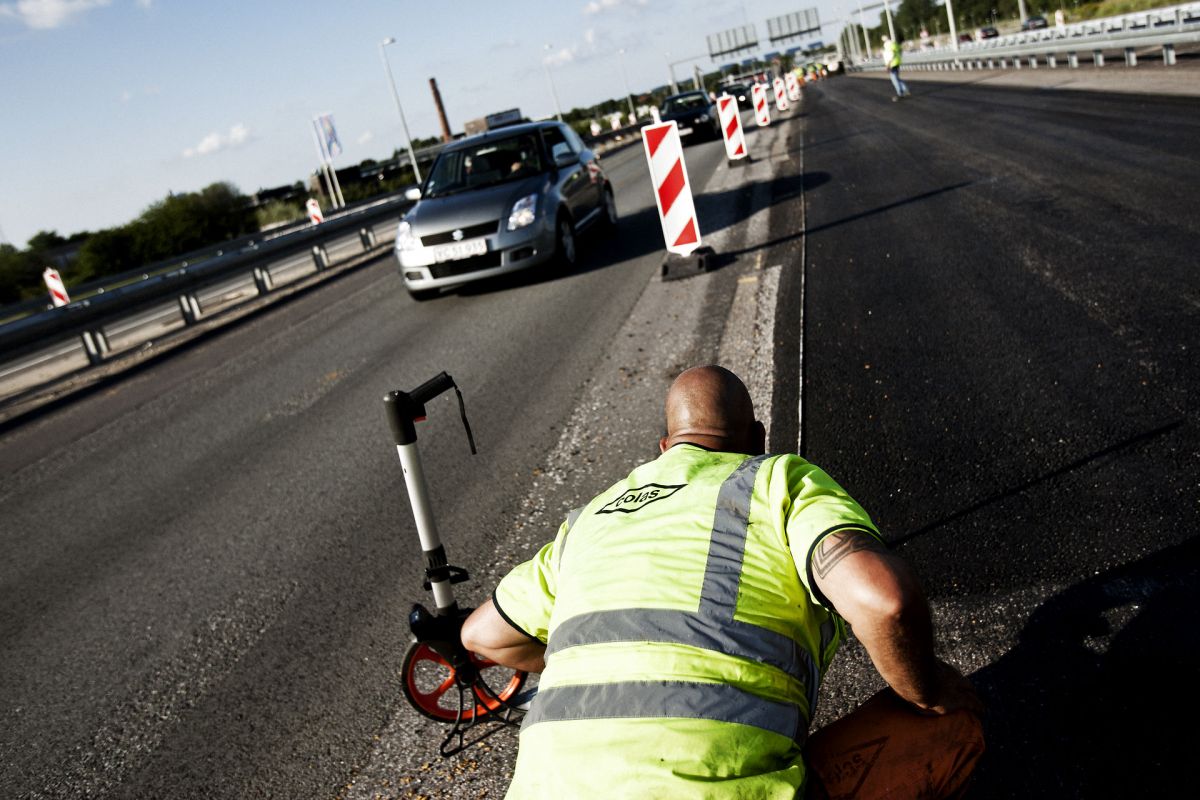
x: 54, y: 283
x: 793, y: 87
x: 314, y: 212
x: 731, y: 127
x: 672, y: 189
x: 762, y: 113
x: 781, y: 101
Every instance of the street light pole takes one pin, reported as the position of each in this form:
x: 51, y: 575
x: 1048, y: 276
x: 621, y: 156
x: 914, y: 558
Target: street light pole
x: 671, y: 69
x: 887, y: 9
x: 953, y: 27
x: 550, y: 81
x: 625, y: 79
x: 412, y: 157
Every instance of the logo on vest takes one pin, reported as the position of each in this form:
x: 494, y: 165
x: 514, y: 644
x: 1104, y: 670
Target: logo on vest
x: 632, y: 500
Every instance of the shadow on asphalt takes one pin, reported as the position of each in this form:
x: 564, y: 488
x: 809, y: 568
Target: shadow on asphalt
x: 851, y: 218
x: 1098, y: 698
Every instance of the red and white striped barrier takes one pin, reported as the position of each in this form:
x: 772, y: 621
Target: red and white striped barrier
x: 314, y: 212
x: 762, y: 113
x: 58, y: 291
x: 731, y: 127
x: 793, y: 87
x: 672, y: 189
x: 781, y: 101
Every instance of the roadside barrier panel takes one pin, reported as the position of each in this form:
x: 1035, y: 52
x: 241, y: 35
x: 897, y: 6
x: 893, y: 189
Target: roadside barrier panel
x: 781, y: 101
x: 793, y: 87
x: 731, y: 127
x: 672, y: 189
x: 762, y: 112
x: 54, y: 283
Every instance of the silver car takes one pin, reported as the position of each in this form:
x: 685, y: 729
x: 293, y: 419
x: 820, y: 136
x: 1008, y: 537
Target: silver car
x: 499, y: 202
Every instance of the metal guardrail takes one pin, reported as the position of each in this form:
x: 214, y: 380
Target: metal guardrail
x: 87, y: 318
x: 1163, y: 27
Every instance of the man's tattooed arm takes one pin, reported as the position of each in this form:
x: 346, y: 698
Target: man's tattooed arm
x: 839, y: 544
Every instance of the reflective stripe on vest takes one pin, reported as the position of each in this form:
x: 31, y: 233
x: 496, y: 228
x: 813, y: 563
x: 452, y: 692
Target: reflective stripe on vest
x: 710, y: 627
x: 645, y: 699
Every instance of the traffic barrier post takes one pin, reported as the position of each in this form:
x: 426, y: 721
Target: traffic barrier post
x: 673, y: 196
x: 793, y: 87
x: 314, y: 212
x: 731, y: 127
x: 781, y: 101
x: 58, y: 290
x: 762, y: 112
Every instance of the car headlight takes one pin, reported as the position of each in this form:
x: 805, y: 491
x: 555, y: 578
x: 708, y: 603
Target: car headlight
x: 523, y: 212
x: 702, y: 118
x: 405, y: 239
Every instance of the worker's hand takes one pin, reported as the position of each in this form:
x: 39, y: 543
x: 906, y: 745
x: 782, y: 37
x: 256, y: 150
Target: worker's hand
x: 952, y: 692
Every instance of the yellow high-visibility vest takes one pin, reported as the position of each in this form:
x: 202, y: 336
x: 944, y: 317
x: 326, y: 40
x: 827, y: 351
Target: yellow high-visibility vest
x: 684, y: 647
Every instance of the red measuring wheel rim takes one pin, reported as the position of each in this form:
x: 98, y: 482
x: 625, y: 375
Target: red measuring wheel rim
x: 428, y: 702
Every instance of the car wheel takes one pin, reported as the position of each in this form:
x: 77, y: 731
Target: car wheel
x: 564, y: 245
x: 421, y: 295
x: 610, y: 208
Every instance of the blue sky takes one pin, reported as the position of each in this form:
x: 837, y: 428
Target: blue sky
x: 110, y: 104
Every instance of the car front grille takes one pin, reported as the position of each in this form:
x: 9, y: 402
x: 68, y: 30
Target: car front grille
x: 469, y: 232
x: 450, y: 269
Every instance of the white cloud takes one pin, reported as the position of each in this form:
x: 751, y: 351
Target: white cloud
x: 589, y: 36
x: 47, y: 14
x: 145, y: 3
x: 215, y: 142
x: 366, y: 137
x: 599, y: 6
x: 564, y: 56
x: 126, y: 96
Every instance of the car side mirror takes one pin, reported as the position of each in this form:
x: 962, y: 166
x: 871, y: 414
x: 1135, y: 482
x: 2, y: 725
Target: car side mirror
x: 566, y: 159
x: 413, y: 193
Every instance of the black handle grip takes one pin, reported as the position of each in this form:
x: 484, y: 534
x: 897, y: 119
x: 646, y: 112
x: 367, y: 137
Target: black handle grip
x: 431, y: 388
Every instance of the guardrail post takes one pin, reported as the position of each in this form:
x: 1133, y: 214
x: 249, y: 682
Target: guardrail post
x: 1169, y: 55
x: 263, y: 280
x: 1073, y: 60
x: 1033, y: 62
x: 1017, y: 62
x: 95, y: 345
x: 367, y: 237
x: 991, y: 64
x: 189, y: 306
x: 1052, y: 60
x: 320, y: 257
x: 1098, y: 58
x: 1004, y: 63
x: 1130, y: 57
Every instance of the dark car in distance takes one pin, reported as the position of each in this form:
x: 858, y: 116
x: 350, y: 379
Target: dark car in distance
x: 1034, y: 23
x: 694, y: 113
x: 988, y: 32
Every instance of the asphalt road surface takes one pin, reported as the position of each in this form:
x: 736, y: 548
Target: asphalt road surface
x: 977, y: 309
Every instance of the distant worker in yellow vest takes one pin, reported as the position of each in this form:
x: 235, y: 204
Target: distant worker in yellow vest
x: 684, y: 618
x: 892, y: 57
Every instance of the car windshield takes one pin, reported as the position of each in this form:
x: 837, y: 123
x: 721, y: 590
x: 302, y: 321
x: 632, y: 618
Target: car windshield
x: 486, y: 164
x: 684, y: 102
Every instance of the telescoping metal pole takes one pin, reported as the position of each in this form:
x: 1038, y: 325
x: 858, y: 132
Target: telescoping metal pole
x: 404, y: 409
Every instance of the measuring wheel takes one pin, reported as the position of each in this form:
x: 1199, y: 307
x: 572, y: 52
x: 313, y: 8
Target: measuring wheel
x: 431, y: 686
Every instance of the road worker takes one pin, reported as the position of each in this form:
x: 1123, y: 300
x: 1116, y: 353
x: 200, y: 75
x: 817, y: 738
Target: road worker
x: 684, y: 618
x: 892, y: 57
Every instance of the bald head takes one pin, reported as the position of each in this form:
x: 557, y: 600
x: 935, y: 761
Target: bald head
x: 709, y: 406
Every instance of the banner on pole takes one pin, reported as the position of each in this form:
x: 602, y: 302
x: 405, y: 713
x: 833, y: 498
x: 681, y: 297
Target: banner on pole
x: 329, y: 135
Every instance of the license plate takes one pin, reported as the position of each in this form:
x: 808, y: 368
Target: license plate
x: 453, y: 252
x: 684, y: 131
